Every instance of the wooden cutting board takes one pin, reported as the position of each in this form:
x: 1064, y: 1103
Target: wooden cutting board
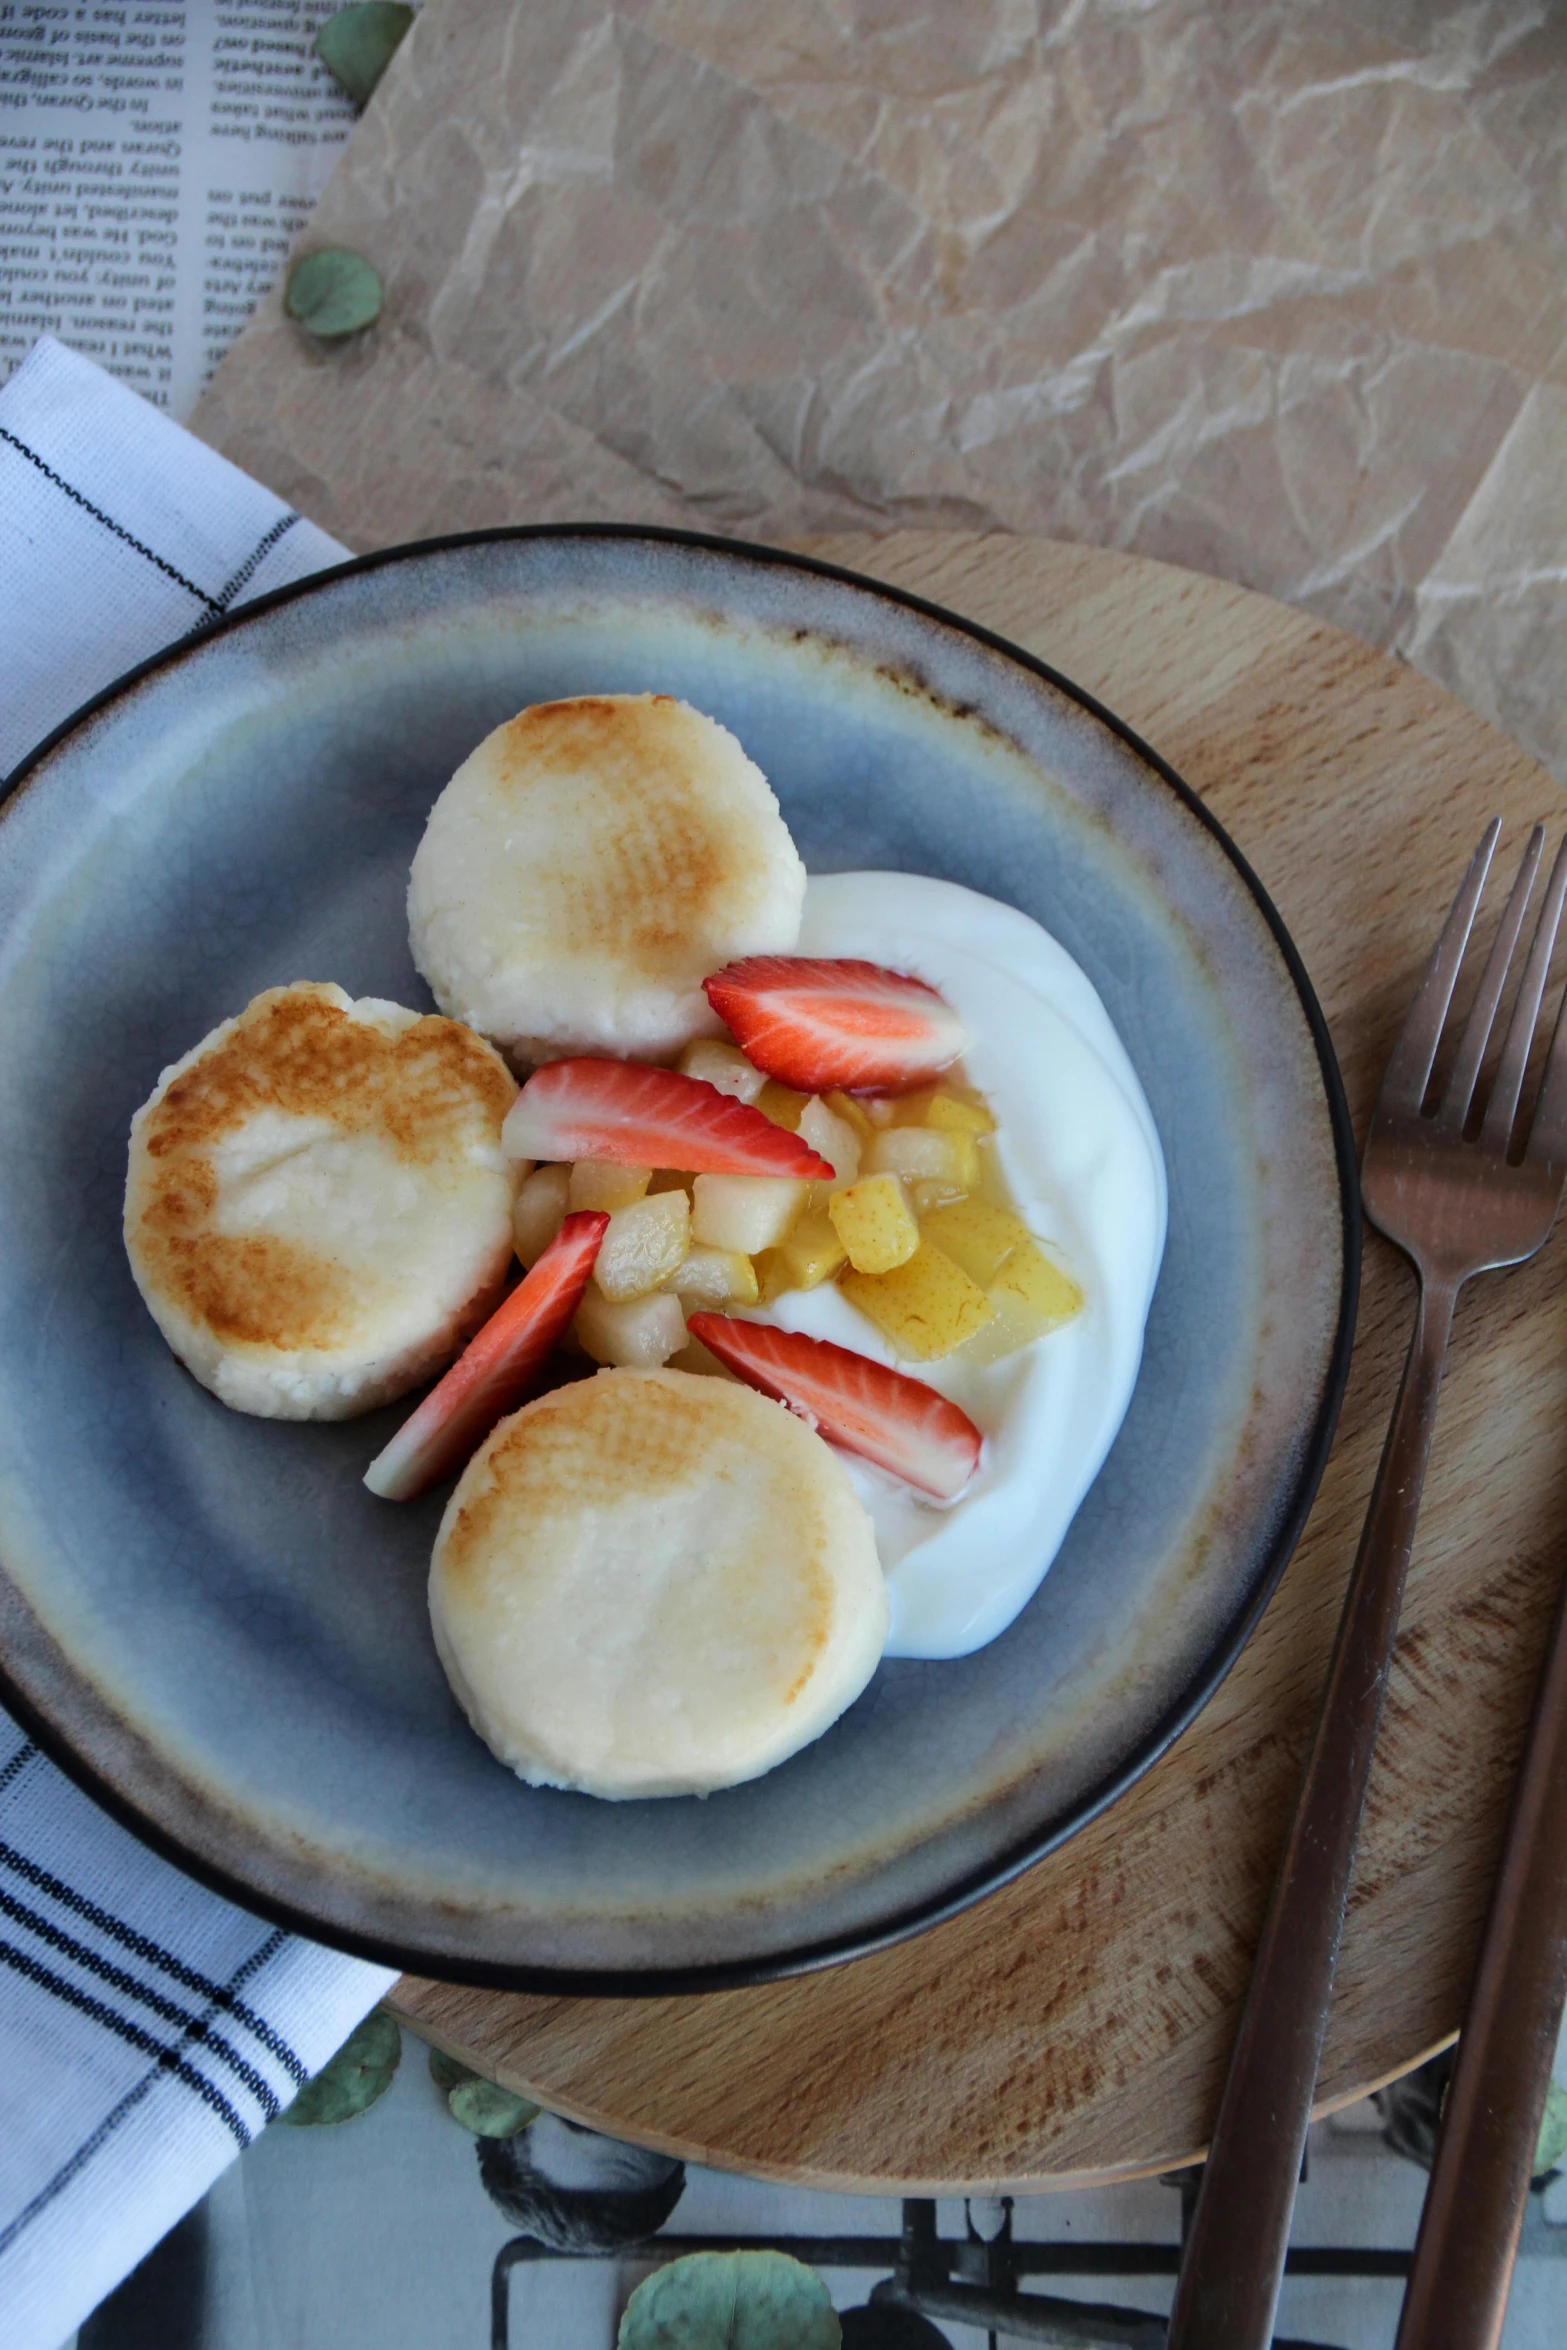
x: 1075, y: 2025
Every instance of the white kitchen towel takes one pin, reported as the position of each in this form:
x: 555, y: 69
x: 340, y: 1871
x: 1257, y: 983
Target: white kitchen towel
x: 148, y: 2028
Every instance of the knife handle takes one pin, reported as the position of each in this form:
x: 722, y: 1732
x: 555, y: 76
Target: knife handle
x: 1464, y: 2253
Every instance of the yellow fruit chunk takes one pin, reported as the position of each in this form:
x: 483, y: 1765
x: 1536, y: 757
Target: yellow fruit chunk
x: 844, y: 1106
x: 837, y: 1141
x: 745, y: 1212
x: 714, y: 1277
x: 642, y: 1245
x: 976, y: 1236
x: 637, y: 1334
x: 540, y: 1211
x: 921, y: 1155
x: 782, y: 1104
x: 1031, y: 1296
x: 811, y: 1255
x: 874, y: 1221
x: 950, y: 1109
x: 601, y: 1183
x: 925, y: 1307
x: 723, y: 1065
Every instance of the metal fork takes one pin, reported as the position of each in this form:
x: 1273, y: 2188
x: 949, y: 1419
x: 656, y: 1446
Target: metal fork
x: 1457, y: 1202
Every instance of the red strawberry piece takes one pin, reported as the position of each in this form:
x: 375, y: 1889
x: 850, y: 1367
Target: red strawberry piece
x: 645, y: 1117
x: 495, y: 1370
x: 812, y: 1023
x: 897, y: 1422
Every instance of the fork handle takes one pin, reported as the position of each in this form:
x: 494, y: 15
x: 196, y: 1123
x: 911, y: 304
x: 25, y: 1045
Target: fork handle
x: 1234, y: 2258
x: 1468, y: 2238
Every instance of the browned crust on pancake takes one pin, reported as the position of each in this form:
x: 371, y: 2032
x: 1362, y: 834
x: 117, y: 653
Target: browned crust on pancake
x: 427, y: 1091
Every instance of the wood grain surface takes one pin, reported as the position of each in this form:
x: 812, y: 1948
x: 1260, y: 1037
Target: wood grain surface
x: 1074, y: 2026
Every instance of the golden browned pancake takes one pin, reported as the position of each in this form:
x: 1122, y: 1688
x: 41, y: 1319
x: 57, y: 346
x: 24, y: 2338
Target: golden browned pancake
x: 588, y: 866
x: 650, y: 1583
x: 317, y: 1209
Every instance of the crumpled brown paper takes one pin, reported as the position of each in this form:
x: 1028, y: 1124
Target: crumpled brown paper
x: 1277, y: 293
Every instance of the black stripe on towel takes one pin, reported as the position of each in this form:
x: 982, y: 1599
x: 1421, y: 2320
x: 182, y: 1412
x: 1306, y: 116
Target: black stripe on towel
x: 254, y: 560
x: 98, y: 515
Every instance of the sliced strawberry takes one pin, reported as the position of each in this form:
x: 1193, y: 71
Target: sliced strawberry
x: 898, y: 1422
x: 813, y: 1023
x: 649, y: 1118
x: 495, y: 1370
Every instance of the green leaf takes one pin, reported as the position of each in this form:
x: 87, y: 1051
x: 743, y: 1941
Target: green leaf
x: 1552, y: 2149
x: 488, y: 2110
x: 731, y: 2301
x: 358, y: 44
x: 354, y: 2078
x: 446, y: 2072
x: 333, y: 292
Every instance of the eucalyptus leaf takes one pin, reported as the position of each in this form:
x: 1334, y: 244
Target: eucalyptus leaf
x: 333, y: 292
x: 354, y: 2078
x: 1551, y: 2151
x: 446, y: 2072
x: 731, y: 2301
x: 358, y: 44
x: 488, y: 2110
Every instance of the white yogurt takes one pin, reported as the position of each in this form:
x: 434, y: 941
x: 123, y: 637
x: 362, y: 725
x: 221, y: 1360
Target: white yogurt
x: 1081, y: 1157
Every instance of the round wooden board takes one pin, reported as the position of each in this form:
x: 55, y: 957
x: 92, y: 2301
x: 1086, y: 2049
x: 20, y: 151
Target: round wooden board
x: 1074, y: 2026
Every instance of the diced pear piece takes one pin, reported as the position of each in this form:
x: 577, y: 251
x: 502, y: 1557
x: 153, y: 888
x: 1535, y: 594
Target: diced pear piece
x: 714, y: 1277
x: 723, y: 1065
x: 949, y: 1108
x: 782, y: 1104
x: 811, y: 1255
x: 540, y: 1211
x: 601, y: 1183
x: 637, y: 1334
x: 643, y: 1244
x: 929, y: 1193
x: 1031, y: 1296
x: 837, y: 1141
x: 919, y: 1154
x: 874, y: 1221
x: 880, y: 1109
x: 746, y: 1213
x: 925, y: 1307
x: 852, y: 1112
x: 976, y: 1236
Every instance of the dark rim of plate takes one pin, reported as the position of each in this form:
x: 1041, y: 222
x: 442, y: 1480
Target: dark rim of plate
x: 660, y: 1982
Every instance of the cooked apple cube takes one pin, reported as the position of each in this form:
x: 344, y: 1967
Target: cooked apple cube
x: 643, y: 1244
x: 746, y: 1213
x: 782, y: 1104
x: 714, y: 1277
x: 874, y: 1221
x: 1031, y: 1296
x: 723, y: 1065
x: 852, y: 1112
x: 976, y: 1236
x: 833, y: 1136
x: 918, y: 1154
x: 601, y: 1183
x: 636, y: 1334
x: 949, y: 1108
x: 811, y: 1255
x: 924, y: 1307
x: 540, y: 1211
x: 881, y: 1109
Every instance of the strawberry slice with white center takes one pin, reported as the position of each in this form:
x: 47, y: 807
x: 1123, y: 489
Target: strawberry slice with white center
x: 495, y: 1370
x: 814, y: 1022
x: 645, y: 1117
x: 897, y: 1422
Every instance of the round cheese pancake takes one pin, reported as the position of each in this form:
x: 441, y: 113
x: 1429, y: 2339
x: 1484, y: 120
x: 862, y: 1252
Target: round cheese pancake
x: 588, y: 867
x: 651, y: 1583
x: 318, y: 1212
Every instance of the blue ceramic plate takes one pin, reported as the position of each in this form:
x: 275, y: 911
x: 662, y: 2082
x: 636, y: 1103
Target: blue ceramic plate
x: 209, y: 1620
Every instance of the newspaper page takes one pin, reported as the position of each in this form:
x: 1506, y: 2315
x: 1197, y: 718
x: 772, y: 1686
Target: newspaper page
x: 156, y: 163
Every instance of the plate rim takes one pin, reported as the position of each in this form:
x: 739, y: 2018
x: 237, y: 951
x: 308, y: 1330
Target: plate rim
x: 1004, y: 1868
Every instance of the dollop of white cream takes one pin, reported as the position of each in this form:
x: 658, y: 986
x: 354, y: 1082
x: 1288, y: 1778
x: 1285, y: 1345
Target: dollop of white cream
x: 1081, y: 1157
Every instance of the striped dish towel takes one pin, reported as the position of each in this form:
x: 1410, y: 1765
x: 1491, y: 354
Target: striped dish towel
x: 148, y: 2028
